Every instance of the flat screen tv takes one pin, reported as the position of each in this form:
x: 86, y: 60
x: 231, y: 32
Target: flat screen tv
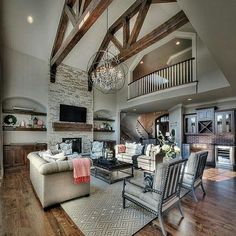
x: 73, y: 113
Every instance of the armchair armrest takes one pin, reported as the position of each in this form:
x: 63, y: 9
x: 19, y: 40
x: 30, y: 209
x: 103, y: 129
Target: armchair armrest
x: 135, y: 184
x: 142, y: 187
x: 155, y: 191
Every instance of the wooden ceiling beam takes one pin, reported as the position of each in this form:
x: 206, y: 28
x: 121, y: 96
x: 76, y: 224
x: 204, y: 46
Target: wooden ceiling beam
x: 128, y: 14
x: 82, y: 7
x: 163, y: 1
x: 154, y: 36
x: 71, y: 15
x: 61, y: 28
x: 90, y: 15
x: 126, y: 32
x: 122, y: 20
x: 116, y: 43
x: 139, y: 21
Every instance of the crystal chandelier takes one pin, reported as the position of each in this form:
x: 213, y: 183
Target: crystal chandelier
x: 107, y: 75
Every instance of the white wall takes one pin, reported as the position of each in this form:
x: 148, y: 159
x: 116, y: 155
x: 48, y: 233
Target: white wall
x: 176, y: 122
x: 1, y: 132
x: 222, y: 104
x: 209, y: 75
x: 24, y: 76
x: 106, y: 102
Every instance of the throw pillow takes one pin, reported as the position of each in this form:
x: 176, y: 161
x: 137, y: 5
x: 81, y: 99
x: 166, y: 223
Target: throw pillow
x: 121, y: 148
x: 66, y: 148
x: 148, y: 183
x: 47, y: 156
x: 97, y: 146
x: 156, y: 149
x: 59, y: 157
x: 41, y: 153
x: 139, y: 149
x: 148, y: 149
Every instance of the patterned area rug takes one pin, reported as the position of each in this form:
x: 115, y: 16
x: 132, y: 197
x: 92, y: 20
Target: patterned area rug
x: 102, y: 214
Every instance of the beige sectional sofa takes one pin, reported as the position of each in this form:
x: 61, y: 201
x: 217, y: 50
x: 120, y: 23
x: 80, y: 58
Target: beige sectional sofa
x: 53, y: 182
x: 146, y: 159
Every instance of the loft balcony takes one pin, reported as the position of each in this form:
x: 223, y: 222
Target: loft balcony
x: 179, y: 74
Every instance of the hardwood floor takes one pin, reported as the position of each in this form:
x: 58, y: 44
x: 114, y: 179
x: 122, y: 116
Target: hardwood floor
x: 215, y: 214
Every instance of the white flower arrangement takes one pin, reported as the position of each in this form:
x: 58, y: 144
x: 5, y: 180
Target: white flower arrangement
x: 170, y: 148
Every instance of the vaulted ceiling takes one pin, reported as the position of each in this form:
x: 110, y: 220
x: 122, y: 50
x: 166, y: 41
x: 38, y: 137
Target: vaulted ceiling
x: 37, y: 39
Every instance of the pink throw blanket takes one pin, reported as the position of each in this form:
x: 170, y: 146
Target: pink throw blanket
x: 81, y: 170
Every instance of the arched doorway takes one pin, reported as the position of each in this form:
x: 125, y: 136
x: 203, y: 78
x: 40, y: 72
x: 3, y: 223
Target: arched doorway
x: 162, y: 125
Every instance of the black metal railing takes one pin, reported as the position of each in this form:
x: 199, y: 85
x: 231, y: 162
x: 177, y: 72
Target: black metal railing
x: 175, y: 75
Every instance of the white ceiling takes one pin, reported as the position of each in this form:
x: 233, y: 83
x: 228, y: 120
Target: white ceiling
x: 89, y: 44
x: 214, y: 21
x: 33, y: 39
x: 37, y: 39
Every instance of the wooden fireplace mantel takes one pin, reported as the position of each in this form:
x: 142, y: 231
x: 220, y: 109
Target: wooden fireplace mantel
x: 71, y: 126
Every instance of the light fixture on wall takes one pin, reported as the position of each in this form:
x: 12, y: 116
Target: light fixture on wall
x: 177, y: 43
x: 108, y: 75
x: 141, y: 62
x: 30, y: 19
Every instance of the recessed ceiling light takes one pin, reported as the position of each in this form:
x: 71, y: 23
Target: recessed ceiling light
x: 134, y: 109
x: 177, y: 43
x: 189, y: 99
x: 30, y: 19
x: 141, y: 62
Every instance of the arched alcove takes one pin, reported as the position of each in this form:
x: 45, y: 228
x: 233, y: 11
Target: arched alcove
x: 23, y: 102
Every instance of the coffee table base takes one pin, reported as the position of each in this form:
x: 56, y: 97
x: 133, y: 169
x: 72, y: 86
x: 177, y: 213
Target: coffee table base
x: 111, y: 176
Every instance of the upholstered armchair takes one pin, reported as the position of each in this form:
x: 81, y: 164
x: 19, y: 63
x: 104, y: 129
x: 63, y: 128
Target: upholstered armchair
x: 97, y: 149
x: 194, y: 172
x: 162, y: 195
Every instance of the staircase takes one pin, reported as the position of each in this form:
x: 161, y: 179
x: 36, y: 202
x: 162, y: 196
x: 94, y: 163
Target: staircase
x: 142, y: 132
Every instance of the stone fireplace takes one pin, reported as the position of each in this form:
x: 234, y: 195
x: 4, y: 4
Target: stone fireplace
x: 70, y: 88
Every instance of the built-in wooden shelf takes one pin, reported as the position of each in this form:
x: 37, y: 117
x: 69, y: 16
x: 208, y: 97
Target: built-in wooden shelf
x: 25, y: 112
x: 72, y: 126
x: 9, y: 128
x: 102, y: 130
x: 103, y: 119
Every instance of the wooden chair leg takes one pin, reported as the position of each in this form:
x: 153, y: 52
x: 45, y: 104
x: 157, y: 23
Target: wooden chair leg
x: 123, y: 202
x: 162, y: 225
x: 180, y: 209
x: 204, y: 192
x: 194, y: 194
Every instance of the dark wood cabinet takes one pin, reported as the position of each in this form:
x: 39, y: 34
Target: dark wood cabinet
x: 15, y: 155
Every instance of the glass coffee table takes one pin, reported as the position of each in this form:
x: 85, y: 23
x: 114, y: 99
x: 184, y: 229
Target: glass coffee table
x: 111, y: 171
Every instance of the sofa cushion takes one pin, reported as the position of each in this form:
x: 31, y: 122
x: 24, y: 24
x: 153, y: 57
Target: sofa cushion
x: 49, y: 168
x: 147, y: 149
x: 144, y: 157
x: 144, y: 197
x: 134, y: 149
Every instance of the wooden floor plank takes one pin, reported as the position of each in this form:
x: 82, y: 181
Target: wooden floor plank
x: 214, y: 214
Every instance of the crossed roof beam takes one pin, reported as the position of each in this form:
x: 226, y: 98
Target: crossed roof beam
x: 88, y: 11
